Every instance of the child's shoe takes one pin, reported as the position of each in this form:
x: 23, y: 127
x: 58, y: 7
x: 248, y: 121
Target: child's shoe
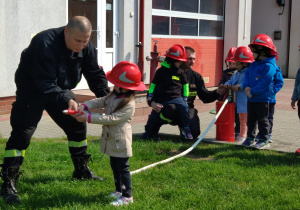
x: 122, y: 201
x: 115, y: 195
x: 270, y: 138
x: 297, y: 152
x: 261, y: 144
x: 240, y: 140
x: 248, y: 142
x: 257, y: 137
x: 187, y: 133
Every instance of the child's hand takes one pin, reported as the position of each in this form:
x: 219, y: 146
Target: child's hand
x: 236, y: 87
x: 82, y: 116
x: 81, y: 108
x: 293, y: 104
x: 149, y: 98
x: 247, y: 91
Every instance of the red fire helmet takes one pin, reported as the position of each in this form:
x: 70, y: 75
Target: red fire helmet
x: 176, y: 52
x: 264, y: 40
x: 243, y: 54
x: 126, y: 75
x: 230, y: 54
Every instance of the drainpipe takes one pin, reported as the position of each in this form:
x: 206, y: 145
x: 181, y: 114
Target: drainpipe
x: 141, y: 37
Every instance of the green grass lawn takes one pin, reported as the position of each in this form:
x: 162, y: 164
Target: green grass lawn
x: 212, y: 176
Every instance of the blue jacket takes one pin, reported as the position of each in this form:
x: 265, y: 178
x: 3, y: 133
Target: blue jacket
x: 278, y: 84
x: 240, y: 95
x: 259, y: 77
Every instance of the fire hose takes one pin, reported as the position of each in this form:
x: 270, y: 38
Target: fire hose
x: 228, y: 99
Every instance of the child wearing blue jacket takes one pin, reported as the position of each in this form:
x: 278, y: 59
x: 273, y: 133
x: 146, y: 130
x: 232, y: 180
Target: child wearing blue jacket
x: 243, y: 57
x: 258, y: 84
x: 278, y: 84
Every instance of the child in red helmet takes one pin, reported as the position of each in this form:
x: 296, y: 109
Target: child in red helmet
x: 258, y: 84
x: 243, y: 57
x: 116, y: 138
x: 170, y: 86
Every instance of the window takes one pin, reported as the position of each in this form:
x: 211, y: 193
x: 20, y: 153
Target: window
x: 214, y: 7
x: 185, y: 6
x: 210, y: 28
x: 192, y: 18
x: 161, y: 4
x: 184, y: 26
x: 160, y: 25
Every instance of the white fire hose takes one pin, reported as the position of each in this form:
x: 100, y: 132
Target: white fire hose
x: 189, y: 149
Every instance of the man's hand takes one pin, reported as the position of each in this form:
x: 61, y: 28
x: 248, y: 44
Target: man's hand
x: 228, y: 86
x: 73, y: 106
x: 156, y: 106
x: 293, y: 104
x: 221, y: 90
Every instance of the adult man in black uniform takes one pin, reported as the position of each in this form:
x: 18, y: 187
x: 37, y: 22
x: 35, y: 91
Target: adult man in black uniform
x: 169, y: 114
x: 49, y: 68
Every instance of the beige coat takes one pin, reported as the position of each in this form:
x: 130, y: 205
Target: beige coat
x: 116, y: 137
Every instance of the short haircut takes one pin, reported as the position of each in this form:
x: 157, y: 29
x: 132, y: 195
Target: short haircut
x: 190, y: 49
x: 80, y: 22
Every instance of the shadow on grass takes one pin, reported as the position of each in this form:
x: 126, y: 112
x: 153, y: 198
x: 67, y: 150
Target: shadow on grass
x: 209, y: 150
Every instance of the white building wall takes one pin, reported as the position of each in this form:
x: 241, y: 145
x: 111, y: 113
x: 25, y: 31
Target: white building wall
x: 266, y: 20
x: 148, y: 44
x: 19, y: 20
x: 237, y: 28
x: 128, y: 27
x: 294, y: 50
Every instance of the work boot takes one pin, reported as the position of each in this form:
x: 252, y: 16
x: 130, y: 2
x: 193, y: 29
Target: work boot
x: 10, y: 176
x: 82, y: 170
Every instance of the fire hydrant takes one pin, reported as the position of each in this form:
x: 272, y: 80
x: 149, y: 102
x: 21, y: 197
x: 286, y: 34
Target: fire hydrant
x: 154, y: 59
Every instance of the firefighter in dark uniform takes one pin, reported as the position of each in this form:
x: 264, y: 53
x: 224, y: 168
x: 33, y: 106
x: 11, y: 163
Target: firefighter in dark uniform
x: 169, y: 114
x: 49, y: 68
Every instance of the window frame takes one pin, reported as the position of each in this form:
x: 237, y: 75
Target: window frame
x: 188, y: 15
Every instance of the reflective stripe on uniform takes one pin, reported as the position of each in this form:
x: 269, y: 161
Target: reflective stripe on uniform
x: 193, y: 93
x: 14, y: 153
x: 186, y: 90
x: 175, y: 78
x: 166, y: 119
x: 77, y: 144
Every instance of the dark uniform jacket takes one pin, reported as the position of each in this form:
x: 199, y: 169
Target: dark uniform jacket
x: 168, y: 83
x: 49, y: 67
x: 197, y: 87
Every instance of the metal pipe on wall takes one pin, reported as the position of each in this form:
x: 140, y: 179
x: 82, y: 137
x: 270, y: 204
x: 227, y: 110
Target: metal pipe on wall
x: 141, y: 36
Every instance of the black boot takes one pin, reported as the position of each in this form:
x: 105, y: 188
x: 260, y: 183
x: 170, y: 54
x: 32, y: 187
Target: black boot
x: 82, y: 170
x: 10, y: 176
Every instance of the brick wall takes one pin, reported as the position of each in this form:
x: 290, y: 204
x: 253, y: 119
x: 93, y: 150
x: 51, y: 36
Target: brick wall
x: 6, y: 104
x: 209, y: 56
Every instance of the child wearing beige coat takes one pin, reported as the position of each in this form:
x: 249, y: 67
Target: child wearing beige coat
x: 116, y: 139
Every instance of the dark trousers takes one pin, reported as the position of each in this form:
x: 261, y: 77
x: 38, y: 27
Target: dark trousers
x: 122, y: 177
x: 154, y: 122
x: 271, y: 116
x: 298, y: 104
x: 183, y: 110
x: 258, y: 114
x: 26, y: 113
